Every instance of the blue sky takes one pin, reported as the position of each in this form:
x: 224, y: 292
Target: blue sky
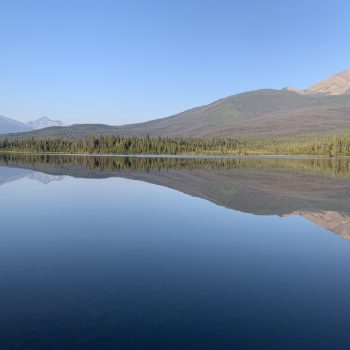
x: 119, y: 62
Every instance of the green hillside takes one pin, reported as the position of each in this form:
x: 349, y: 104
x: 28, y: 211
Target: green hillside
x: 261, y: 113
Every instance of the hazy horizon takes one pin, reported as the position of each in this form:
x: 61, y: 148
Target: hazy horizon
x: 116, y: 63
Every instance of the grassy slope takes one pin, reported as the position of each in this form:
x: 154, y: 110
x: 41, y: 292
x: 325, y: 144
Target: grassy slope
x: 261, y: 113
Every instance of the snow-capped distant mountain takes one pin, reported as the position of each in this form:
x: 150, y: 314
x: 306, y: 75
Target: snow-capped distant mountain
x: 13, y: 174
x: 8, y: 126
x: 44, y: 122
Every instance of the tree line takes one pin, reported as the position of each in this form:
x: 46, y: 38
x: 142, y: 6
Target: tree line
x: 330, y: 146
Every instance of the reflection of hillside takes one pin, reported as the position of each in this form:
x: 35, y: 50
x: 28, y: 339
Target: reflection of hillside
x: 318, y: 190
x: 257, y: 192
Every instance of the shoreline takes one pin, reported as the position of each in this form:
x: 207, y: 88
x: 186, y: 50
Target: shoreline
x: 180, y: 156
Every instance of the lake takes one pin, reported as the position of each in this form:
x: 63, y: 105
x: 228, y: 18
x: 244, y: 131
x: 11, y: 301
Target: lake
x: 174, y: 253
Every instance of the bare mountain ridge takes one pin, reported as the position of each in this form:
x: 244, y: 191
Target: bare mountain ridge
x: 336, y: 85
x: 321, y: 109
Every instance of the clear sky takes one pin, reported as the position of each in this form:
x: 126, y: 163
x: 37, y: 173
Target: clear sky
x: 119, y: 62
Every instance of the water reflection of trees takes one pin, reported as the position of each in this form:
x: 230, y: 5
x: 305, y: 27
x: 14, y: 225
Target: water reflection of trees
x: 330, y: 167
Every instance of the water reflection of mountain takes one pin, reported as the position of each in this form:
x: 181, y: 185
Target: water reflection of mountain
x: 8, y: 175
x: 12, y: 174
x: 318, y: 190
x: 334, y: 221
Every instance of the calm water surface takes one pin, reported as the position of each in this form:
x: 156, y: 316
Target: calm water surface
x: 118, y: 253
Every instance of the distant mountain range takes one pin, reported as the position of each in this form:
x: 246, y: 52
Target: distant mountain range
x: 321, y: 109
x: 44, y: 122
x: 8, y: 125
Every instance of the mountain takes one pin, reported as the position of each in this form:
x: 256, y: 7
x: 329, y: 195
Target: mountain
x: 8, y: 125
x: 44, y: 122
x: 322, y: 109
x: 261, y: 113
x: 338, y: 84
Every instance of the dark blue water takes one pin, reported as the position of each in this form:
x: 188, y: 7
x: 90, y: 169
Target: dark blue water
x: 127, y: 262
